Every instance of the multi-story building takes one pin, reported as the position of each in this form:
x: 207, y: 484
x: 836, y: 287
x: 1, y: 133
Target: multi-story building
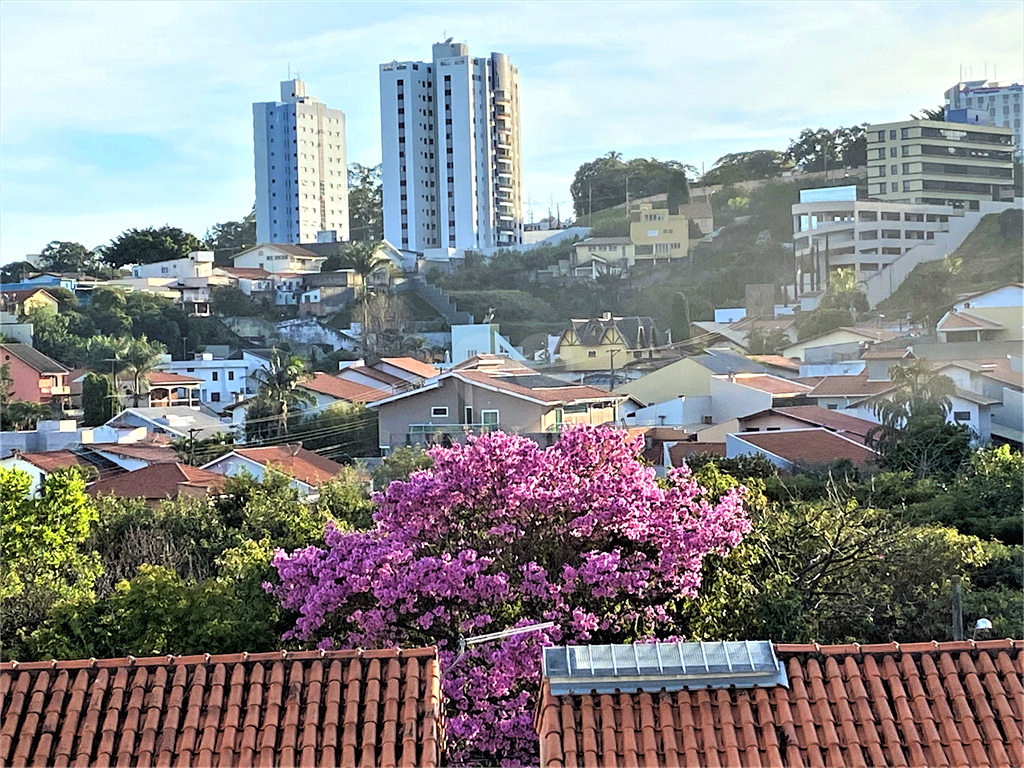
x: 301, y: 172
x: 196, y: 264
x: 833, y: 229
x: 940, y: 163
x: 1000, y: 102
x: 658, y: 234
x: 451, y: 151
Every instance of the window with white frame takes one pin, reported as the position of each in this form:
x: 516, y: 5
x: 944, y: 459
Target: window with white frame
x: 439, y: 412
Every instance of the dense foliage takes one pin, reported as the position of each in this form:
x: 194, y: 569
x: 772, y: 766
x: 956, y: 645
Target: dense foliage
x: 745, y: 166
x: 365, y: 203
x: 604, y: 182
x: 145, y: 246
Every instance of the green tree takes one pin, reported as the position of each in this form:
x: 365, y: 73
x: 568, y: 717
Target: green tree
x: 603, y: 183
x: 108, y: 311
x: 145, y: 246
x: 365, y: 203
x: 41, y: 563
x: 99, y: 400
x: 822, y: 320
x: 140, y: 359
x: 680, y: 317
x: 824, y: 149
x: 22, y: 414
x: 917, y: 391
x: 767, y: 341
x: 231, y: 237
x: 929, y: 113
x: 229, y: 301
x: 62, y: 256
x: 280, y: 390
x: 399, y: 464
x: 16, y: 271
x: 745, y: 166
x: 844, y: 292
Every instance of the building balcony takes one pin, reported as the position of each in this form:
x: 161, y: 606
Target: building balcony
x: 502, y: 96
x: 56, y: 391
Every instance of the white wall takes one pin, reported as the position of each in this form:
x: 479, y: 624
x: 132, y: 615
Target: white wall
x: 730, y: 400
x: 1012, y: 413
x: 222, y: 379
x: 668, y: 413
x: 469, y: 340
x: 1007, y: 296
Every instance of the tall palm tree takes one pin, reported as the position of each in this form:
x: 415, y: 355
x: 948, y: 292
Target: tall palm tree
x: 279, y: 387
x: 918, y: 391
x: 141, y: 358
x: 365, y: 259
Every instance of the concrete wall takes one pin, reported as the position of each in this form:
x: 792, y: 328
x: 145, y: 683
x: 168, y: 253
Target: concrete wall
x: 669, y: 413
x: 681, y: 378
x: 1011, y: 414
x: 730, y: 400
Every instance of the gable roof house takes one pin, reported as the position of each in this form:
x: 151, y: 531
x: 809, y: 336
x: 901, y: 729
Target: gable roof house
x: 328, y: 389
x: 173, y: 422
x: 803, y: 416
x: 278, y: 258
x: 741, y: 394
x: 591, y: 345
x: 39, y: 466
x: 35, y: 377
x: 21, y: 302
x: 287, y: 708
x: 307, y: 470
x: 795, y: 449
x: 160, y: 481
x: 493, y: 397
x: 993, y: 315
x: 788, y: 705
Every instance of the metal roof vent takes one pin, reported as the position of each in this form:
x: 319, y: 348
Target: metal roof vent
x: 582, y: 669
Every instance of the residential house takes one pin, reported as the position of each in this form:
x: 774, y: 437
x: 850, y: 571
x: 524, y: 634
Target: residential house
x: 700, y: 213
x: 778, y: 365
x: 838, y: 392
x: 796, y: 449
x: 22, y: 302
x: 327, y: 390
x: 333, y: 291
x: 34, y: 377
x: 1004, y: 380
x: 487, y: 398
x: 222, y: 381
x: 278, y: 258
x: 255, y: 282
x: 158, y: 482
x: 994, y: 315
x: 602, y: 255
x: 359, y: 707
x: 39, y: 466
x: 837, y: 344
x: 803, y: 416
x: 14, y: 329
x: 372, y: 376
x: 470, y: 339
x: 592, y: 345
x: 196, y: 264
x: 155, y: 449
x: 414, y: 371
x: 688, y: 377
x: 749, y: 704
x: 307, y: 470
x: 174, y: 422
x: 158, y: 286
x: 165, y: 389
x: 739, y: 394
x: 658, y: 235
x: 58, y: 434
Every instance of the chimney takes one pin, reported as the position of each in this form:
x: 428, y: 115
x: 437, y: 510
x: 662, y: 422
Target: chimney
x: 296, y: 448
x: 606, y: 316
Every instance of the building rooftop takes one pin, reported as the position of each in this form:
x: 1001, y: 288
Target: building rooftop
x: 157, y: 481
x: 967, y: 321
x: 777, y: 361
x: 161, y: 379
x: 773, y: 385
x: 848, y: 386
x: 636, y: 332
x: 811, y: 446
x: 293, y: 460
x: 539, y: 387
x: 911, y: 704
x: 342, y: 389
x: 35, y: 360
x: 287, y: 708
x: 413, y: 366
x: 851, y: 426
x: 49, y: 461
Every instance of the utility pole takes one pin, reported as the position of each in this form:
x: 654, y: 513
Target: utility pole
x: 113, y: 380
x: 590, y: 201
x: 192, y: 445
x: 611, y: 356
x: 958, y: 610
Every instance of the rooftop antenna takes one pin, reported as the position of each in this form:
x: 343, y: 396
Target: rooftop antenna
x: 289, y: 70
x: 465, y: 642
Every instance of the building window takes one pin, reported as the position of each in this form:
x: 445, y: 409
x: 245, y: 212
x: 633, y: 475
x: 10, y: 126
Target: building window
x: 214, y: 376
x: 489, y: 418
x: 439, y: 412
x: 961, y: 415
x: 892, y: 134
x: 895, y: 186
x: 881, y: 136
x: 894, y: 170
x: 591, y: 353
x: 892, y: 152
x: 215, y: 397
x: 905, y: 133
x: 832, y: 407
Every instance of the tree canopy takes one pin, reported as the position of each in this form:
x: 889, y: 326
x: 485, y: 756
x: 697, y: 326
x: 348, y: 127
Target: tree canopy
x: 602, y: 183
x: 145, y: 246
x: 365, y: 203
x: 814, y: 150
x: 745, y: 166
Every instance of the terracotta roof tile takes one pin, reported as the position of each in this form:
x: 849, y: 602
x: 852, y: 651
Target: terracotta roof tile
x: 162, y: 378
x: 349, y: 708
x: 809, y: 446
x: 412, y: 365
x: 293, y: 460
x: 48, y: 461
x: 566, y: 394
x: 851, y: 426
x: 342, y: 389
x: 918, y: 705
x: 773, y: 385
x: 157, y: 481
x: 777, y: 361
x: 848, y: 386
x: 154, y: 453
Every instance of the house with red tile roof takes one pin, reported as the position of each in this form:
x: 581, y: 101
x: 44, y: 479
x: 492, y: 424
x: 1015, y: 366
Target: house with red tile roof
x: 802, y: 416
x: 308, y: 470
x: 368, y: 376
x: 409, y: 368
x: 328, y: 389
x: 38, y: 466
x: 740, y: 394
x: 469, y: 401
x: 158, y: 482
x: 795, y: 449
x: 908, y: 704
x: 285, y: 708
x: 35, y: 378
x: 835, y: 392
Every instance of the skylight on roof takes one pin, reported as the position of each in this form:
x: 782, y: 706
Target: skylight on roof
x: 650, y: 667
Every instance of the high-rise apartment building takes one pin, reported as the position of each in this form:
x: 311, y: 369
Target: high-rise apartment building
x: 1001, y: 102
x: 451, y: 153
x: 301, y: 173
x: 933, y: 162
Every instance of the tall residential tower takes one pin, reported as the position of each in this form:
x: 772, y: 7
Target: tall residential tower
x: 451, y: 153
x: 301, y: 174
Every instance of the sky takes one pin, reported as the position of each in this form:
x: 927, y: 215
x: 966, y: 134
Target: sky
x: 119, y: 115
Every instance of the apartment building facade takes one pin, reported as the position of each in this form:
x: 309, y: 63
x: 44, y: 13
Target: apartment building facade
x: 657, y: 234
x: 301, y: 170
x: 832, y: 229
x: 450, y: 141
x: 1000, y: 102
x: 934, y: 162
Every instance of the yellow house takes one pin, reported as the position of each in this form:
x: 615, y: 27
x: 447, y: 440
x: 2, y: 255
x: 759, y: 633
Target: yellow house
x: 863, y: 336
x: 689, y: 377
x: 994, y: 315
x: 657, y: 234
x: 23, y: 302
x: 600, y: 344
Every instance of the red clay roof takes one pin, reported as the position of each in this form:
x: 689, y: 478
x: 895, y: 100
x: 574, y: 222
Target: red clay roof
x: 48, y: 461
x: 680, y: 452
x: 157, y: 481
x: 160, y: 378
x: 851, y: 426
x: 917, y: 705
x: 249, y: 273
x: 773, y: 385
x: 307, y: 708
x: 810, y: 446
x: 778, y: 361
x: 373, y: 373
x: 295, y: 461
x: 143, y: 451
x: 848, y: 386
x: 567, y: 394
x: 967, y: 320
x: 413, y: 366
x: 342, y: 389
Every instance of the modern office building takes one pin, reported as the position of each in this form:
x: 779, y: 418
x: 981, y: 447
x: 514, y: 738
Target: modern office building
x: 301, y: 173
x: 451, y: 152
x: 1000, y: 102
x: 934, y: 162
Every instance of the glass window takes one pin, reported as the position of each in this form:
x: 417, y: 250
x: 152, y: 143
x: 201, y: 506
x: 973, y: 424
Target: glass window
x: 962, y: 415
x: 895, y: 186
x: 905, y: 133
x: 894, y: 170
x: 881, y: 135
x: 439, y: 412
x: 892, y: 134
x: 892, y: 151
x: 489, y: 418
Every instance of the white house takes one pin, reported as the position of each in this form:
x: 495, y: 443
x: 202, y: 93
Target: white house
x: 308, y: 470
x: 279, y: 257
x: 196, y: 264
x: 475, y: 339
x: 224, y: 380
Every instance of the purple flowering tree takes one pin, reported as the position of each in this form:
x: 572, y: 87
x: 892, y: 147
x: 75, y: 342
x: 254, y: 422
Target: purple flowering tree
x: 501, y: 533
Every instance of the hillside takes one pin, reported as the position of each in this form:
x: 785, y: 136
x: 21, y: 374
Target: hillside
x: 987, y: 258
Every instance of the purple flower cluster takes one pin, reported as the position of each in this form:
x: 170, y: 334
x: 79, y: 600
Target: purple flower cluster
x: 501, y: 533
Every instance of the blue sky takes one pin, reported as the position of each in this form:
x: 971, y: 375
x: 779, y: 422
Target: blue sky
x: 118, y: 115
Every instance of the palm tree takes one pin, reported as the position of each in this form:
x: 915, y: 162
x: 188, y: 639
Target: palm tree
x: 365, y: 259
x: 279, y: 387
x: 141, y: 358
x: 917, y: 391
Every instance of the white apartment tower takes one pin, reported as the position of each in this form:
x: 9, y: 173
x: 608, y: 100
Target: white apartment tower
x: 451, y: 154
x: 301, y: 173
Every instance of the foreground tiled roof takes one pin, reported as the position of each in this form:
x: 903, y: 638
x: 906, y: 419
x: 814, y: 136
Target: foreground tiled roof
x: 166, y: 379
x: 848, y: 386
x: 336, y: 708
x: 295, y: 461
x: 918, y: 705
x: 851, y: 426
x: 49, y: 461
x: 342, y: 389
x: 413, y: 366
x: 810, y: 446
x: 772, y: 385
x: 157, y: 481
